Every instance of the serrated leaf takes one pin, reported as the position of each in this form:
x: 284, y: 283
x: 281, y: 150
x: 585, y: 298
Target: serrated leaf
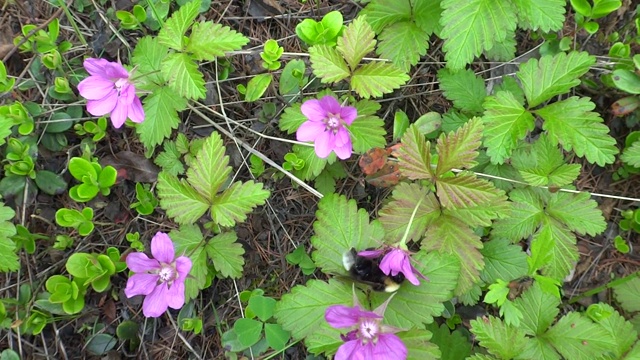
x: 415, y: 155
x: 571, y: 123
x: 173, y: 30
x: 503, y: 261
x: 542, y: 164
x: 527, y: 212
x: 453, y: 344
x: 147, y: 57
x: 539, y: 349
x: 469, y: 27
x: 539, y: 309
x: 620, y: 330
x: 628, y: 293
x: 506, y: 121
x: 426, y: 14
x: 313, y: 165
x: 377, y: 78
x: 553, y: 75
x: 356, y: 41
x: 459, y: 150
x: 450, y: 235
x: 631, y: 155
x: 328, y: 64
x: 340, y: 226
x: 188, y: 241
x: 9, y: 260
x: 395, y: 215
x: 403, y: 43
x: 557, y: 245
x: 209, y: 40
x: 577, y: 211
x: 575, y: 337
x: 181, y: 201
x: 210, y: 169
x: 465, y: 89
x: 418, y: 345
x: 292, y: 118
x: 183, y: 76
x: 544, y: 15
x: 161, y: 116
x: 226, y: 254
x: 503, y: 51
x: 502, y: 340
x: 382, y: 13
x: 169, y: 159
x: 367, y: 132
x: 239, y: 199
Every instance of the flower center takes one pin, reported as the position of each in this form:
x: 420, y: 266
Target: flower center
x: 120, y: 83
x: 332, y: 122
x: 369, y: 330
x: 167, y: 273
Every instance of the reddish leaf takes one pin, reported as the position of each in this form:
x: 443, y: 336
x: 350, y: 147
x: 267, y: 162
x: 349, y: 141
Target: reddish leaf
x: 625, y: 106
x: 136, y: 167
x: 381, y: 170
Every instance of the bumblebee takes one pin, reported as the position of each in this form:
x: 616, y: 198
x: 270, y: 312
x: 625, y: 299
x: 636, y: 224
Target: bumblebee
x: 367, y: 271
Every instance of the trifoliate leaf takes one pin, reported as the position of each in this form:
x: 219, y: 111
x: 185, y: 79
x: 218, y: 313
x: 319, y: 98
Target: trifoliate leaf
x: 527, y: 212
x: 453, y: 344
x: 459, y: 150
x: 313, y: 165
x: 542, y: 164
x: 547, y: 16
x: 210, y: 169
x: 628, y: 293
x: 382, y: 13
x: 377, y: 78
x: 504, y: 341
x: 173, y: 30
x: 356, y: 41
x: 161, y: 116
x: 571, y: 123
x: 578, y: 212
x: 469, y: 27
x: 181, y: 201
x: 328, y: 64
x: 292, y: 118
x: 395, y: 215
x: 539, y: 309
x: 449, y: 235
x: 415, y: 155
x: 235, y: 202
x: 503, y: 261
x: 188, y: 242
x: 147, y: 57
x: 340, y: 226
x: 574, y: 336
x: 209, y: 40
x: 403, y: 43
x: 553, y: 75
x: 226, y: 254
x: 620, y: 330
x: 183, y: 76
x: 631, y: 155
x: 367, y: 132
x: 557, y: 245
x: 418, y: 345
x: 506, y: 121
x: 464, y: 88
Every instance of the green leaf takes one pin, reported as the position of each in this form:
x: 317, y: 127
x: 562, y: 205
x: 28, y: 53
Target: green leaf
x: 473, y: 26
x: 367, y: 132
x: 542, y: 164
x: 541, y: 349
x: 276, y: 336
x: 544, y: 15
x: 539, y: 309
x: 262, y: 306
x: 415, y: 155
x: 173, y: 30
x: 292, y: 118
x: 571, y: 123
x: 377, y: 78
x: 382, y: 13
x: 578, y: 212
x: 313, y: 165
x: 9, y: 261
x: 257, y: 86
x: 418, y: 345
x: 459, y: 150
x: 248, y: 330
x: 553, y: 75
x: 620, y: 330
x: 340, y: 225
x: 169, y: 159
x: 188, y: 241
x: 557, y: 245
x: 626, y: 80
x: 356, y: 41
x: 210, y: 168
x: 426, y: 14
x: 403, y: 43
x: 148, y: 56
x: 453, y: 344
x: 527, y: 212
x: 627, y: 294
x: 631, y: 155
x: 503, y: 261
x: 236, y: 202
x: 328, y: 64
x: 181, y: 201
x: 161, y: 116
x: 183, y: 76
x: 209, y: 40
x: 506, y: 121
x: 574, y: 336
x: 226, y: 254
x: 465, y: 89
x: 501, y: 340
x: 395, y: 214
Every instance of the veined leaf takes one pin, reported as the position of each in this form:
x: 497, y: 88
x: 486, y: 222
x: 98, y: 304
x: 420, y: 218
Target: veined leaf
x: 503, y: 51
x: 328, y: 64
x: 544, y: 15
x: 9, y: 260
x: 578, y: 212
x: 471, y: 26
x: 571, y: 123
x: 367, y: 132
x: 464, y: 89
x: 183, y: 76
x: 209, y: 169
x: 367, y: 107
x: 628, y: 293
x: 292, y: 118
x: 356, y: 41
x: 540, y: 349
x: 504, y: 341
x: 382, y: 13
x: 503, y: 261
x: 161, y: 116
x: 236, y: 202
x: 209, y: 40
x: 395, y: 215
x: 173, y: 30
x: 557, y: 245
x: 403, y: 43
x: 340, y: 225
x: 313, y: 165
x: 453, y: 344
x: 226, y: 254
x: 377, y: 78
x: 539, y: 309
x: 426, y: 14
x: 506, y: 121
x: 631, y: 155
x: 418, y: 345
x: 576, y: 337
x: 553, y: 75
x: 621, y: 331
x: 180, y: 200
x: 188, y: 241
x: 459, y: 150
x: 450, y: 235
x: 148, y: 56
x: 415, y: 155
x: 542, y: 164
x: 527, y: 213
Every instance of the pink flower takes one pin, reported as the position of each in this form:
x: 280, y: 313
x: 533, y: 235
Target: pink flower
x: 109, y: 90
x: 160, y: 279
x: 396, y: 261
x: 368, y: 339
x: 326, y: 126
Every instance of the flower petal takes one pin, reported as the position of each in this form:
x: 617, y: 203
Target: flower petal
x: 391, y: 263
x: 342, y: 137
x: 156, y: 303
x: 175, y: 295
x: 389, y: 347
x: 114, y: 70
x: 349, y: 351
x: 313, y: 110
x: 96, y: 67
x: 330, y: 105
x: 408, y: 271
x: 136, y: 112
x: 324, y: 144
x: 343, y: 152
x: 309, y: 130
x: 162, y: 248
x: 139, y: 262
x: 141, y: 284
x: 348, y: 114
x: 94, y: 87
x: 340, y: 316
x: 104, y: 105
x: 119, y: 113
x: 183, y: 265
x: 371, y: 254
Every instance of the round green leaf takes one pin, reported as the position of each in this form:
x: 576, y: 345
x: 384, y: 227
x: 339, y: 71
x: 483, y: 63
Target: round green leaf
x: 277, y: 337
x: 248, y: 330
x: 262, y: 306
x: 100, y: 344
x: 50, y: 183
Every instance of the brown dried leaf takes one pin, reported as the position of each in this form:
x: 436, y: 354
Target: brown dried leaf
x: 132, y: 166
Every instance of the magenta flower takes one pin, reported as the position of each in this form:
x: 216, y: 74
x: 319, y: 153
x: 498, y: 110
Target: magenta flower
x: 396, y: 261
x: 368, y: 339
x: 326, y: 126
x: 160, y: 279
x: 109, y: 90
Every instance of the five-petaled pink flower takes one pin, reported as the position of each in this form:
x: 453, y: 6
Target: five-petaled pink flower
x: 109, y: 90
x: 396, y: 261
x: 160, y: 279
x: 326, y: 126
x: 369, y: 339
